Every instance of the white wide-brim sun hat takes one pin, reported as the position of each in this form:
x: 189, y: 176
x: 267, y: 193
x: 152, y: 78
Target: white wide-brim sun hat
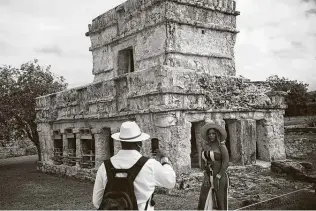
x: 130, y: 132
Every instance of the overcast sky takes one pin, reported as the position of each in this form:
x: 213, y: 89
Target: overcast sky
x: 276, y: 37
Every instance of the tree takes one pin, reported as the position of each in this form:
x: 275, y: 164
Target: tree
x: 18, y: 90
x: 297, y: 94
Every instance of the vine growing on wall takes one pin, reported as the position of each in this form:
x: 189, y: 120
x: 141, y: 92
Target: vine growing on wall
x: 223, y: 92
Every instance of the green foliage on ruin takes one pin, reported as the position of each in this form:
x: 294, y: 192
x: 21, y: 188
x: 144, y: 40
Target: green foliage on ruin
x: 18, y: 90
x: 311, y: 121
x: 235, y: 93
x: 297, y: 97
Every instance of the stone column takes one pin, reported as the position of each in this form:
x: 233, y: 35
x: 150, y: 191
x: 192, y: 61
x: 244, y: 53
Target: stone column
x: 262, y: 140
x: 242, y: 136
x: 182, y: 135
x: 174, y: 134
x: 41, y: 140
x: 106, y: 138
x: 46, y: 141
x: 65, y: 142
x: 76, y: 131
x: 100, y: 154
x: 175, y: 142
x: 248, y: 139
x: 274, y: 134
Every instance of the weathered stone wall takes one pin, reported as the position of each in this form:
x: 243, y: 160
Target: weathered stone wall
x: 116, y: 30
x: 160, y: 100
x: 155, y: 90
x: 189, y: 34
x: 200, y: 39
x: 173, y: 130
x: 69, y: 171
x: 17, y: 148
x: 300, y: 145
x: 183, y: 77
x: 246, y: 131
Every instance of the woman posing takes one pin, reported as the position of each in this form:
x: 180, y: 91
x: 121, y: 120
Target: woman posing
x: 215, y: 159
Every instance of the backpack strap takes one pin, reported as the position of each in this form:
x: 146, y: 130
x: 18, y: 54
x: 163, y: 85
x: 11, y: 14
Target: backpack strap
x: 147, y: 203
x: 110, y: 170
x: 136, y: 168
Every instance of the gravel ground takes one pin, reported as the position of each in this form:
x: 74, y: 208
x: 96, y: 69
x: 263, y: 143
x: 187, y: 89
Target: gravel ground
x: 23, y: 187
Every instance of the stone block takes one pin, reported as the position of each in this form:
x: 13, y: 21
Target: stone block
x: 194, y: 117
x: 165, y: 120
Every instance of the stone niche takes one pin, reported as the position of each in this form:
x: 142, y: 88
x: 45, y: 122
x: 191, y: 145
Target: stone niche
x: 169, y: 66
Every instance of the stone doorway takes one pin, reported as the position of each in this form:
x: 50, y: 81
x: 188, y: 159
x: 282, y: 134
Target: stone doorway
x: 242, y: 141
x: 233, y: 144
x: 228, y: 141
x: 194, y: 146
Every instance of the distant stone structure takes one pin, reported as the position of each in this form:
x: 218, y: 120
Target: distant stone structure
x: 300, y: 143
x: 16, y: 148
x: 169, y: 66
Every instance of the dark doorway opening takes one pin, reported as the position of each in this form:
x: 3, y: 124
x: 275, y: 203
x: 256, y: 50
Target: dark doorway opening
x: 228, y: 139
x: 260, y: 133
x: 125, y: 61
x: 154, y: 145
x: 58, y: 144
x: 72, y: 147
x: 194, y: 151
x: 111, y: 146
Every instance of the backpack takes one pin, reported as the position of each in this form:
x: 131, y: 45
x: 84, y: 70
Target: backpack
x: 119, y: 191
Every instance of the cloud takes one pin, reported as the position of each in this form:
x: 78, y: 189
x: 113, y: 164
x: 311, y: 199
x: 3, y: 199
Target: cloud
x: 52, y: 32
x: 281, y: 43
x: 311, y: 12
x: 50, y: 50
x: 276, y: 37
x: 312, y: 1
x: 297, y: 44
x: 5, y: 2
x: 5, y: 49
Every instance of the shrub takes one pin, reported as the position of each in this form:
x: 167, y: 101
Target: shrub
x: 311, y: 121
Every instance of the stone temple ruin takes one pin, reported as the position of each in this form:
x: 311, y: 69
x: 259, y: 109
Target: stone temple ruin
x: 169, y: 66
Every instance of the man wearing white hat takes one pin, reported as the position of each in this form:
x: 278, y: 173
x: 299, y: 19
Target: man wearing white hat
x: 151, y: 172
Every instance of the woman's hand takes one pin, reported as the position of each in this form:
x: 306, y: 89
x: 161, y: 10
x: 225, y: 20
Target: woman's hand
x: 216, y: 183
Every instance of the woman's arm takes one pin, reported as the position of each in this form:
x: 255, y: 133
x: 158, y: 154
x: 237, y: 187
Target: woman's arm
x: 225, y: 158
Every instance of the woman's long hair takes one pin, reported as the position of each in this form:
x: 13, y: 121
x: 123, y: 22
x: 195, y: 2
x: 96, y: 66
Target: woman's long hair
x: 218, y: 140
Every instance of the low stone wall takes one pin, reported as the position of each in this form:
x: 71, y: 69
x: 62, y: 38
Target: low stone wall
x: 67, y: 171
x: 300, y: 143
x: 17, y: 148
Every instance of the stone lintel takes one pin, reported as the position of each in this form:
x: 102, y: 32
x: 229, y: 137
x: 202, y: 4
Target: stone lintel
x: 75, y: 130
x: 64, y: 130
x: 96, y: 130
